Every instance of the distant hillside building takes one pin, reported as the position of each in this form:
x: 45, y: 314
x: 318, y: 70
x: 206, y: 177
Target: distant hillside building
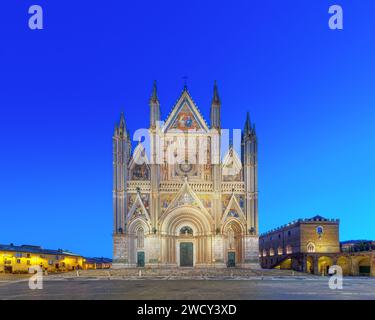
x: 18, y: 259
x: 357, y: 245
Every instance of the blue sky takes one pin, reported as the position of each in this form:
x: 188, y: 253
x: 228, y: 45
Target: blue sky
x: 309, y: 89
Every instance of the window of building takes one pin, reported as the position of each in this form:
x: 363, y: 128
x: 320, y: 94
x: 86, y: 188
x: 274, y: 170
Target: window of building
x: 28, y: 255
x: 28, y: 262
x: 280, y: 251
x: 289, y: 249
x: 264, y: 253
x: 272, y: 252
x: 140, y: 238
x: 18, y: 261
x: 19, y: 255
x: 186, y: 231
x: 289, y: 233
x: 310, y: 247
x: 319, y: 231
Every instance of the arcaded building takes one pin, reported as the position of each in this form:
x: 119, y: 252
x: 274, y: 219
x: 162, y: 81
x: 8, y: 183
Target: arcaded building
x: 177, y: 201
x: 312, y: 246
x: 299, y: 244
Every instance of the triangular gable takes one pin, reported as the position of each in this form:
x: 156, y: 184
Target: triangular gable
x: 231, y: 164
x: 138, y: 210
x: 185, y: 116
x: 233, y: 210
x: 186, y: 197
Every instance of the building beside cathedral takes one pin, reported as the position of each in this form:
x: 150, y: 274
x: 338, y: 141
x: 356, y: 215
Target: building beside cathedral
x: 177, y: 201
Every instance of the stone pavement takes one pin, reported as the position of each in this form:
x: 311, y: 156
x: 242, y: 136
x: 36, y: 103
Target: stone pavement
x: 181, y: 273
x: 274, y: 288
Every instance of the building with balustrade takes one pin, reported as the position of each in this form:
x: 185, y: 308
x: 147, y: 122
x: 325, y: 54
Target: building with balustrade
x: 176, y: 201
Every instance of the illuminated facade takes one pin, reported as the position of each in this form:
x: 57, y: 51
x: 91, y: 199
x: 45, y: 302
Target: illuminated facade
x: 18, y: 259
x: 97, y: 263
x: 312, y: 246
x: 180, y: 204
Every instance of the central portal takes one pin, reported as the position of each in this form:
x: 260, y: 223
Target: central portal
x: 186, y: 254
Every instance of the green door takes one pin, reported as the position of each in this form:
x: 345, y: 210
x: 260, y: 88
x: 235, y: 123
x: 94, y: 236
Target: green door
x: 186, y: 254
x: 140, y: 259
x: 231, y: 259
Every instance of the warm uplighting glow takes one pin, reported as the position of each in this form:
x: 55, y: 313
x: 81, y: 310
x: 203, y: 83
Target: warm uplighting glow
x: 310, y: 247
x: 21, y: 261
x: 289, y: 249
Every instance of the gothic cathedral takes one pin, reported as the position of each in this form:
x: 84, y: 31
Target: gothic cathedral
x: 177, y: 201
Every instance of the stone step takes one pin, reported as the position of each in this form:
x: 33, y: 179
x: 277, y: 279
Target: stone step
x: 178, y: 272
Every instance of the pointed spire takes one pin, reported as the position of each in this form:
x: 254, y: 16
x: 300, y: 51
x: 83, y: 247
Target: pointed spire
x: 253, y: 131
x: 247, y: 124
x: 122, y: 121
x: 154, y: 107
x: 115, y: 132
x: 216, y: 99
x: 215, y: 109
x: 154, y: 96
x: 122, y: 130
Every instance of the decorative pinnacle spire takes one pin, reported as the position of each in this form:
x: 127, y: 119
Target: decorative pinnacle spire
x: 248, y: 124
x: 154, y: 97
x: 216, y: 98
x: 215, y: 109
x: 254, y: 131
x: 122, y: 130
x: 122, y: 121
x: 154, y: 107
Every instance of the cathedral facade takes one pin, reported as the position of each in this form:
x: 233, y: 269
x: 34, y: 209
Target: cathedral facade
x: 178, y: 199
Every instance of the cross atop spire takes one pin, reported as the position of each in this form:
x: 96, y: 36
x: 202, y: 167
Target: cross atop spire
x: 185, y: 78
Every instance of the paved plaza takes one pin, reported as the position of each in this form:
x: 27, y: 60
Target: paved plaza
x: 204, y: 287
